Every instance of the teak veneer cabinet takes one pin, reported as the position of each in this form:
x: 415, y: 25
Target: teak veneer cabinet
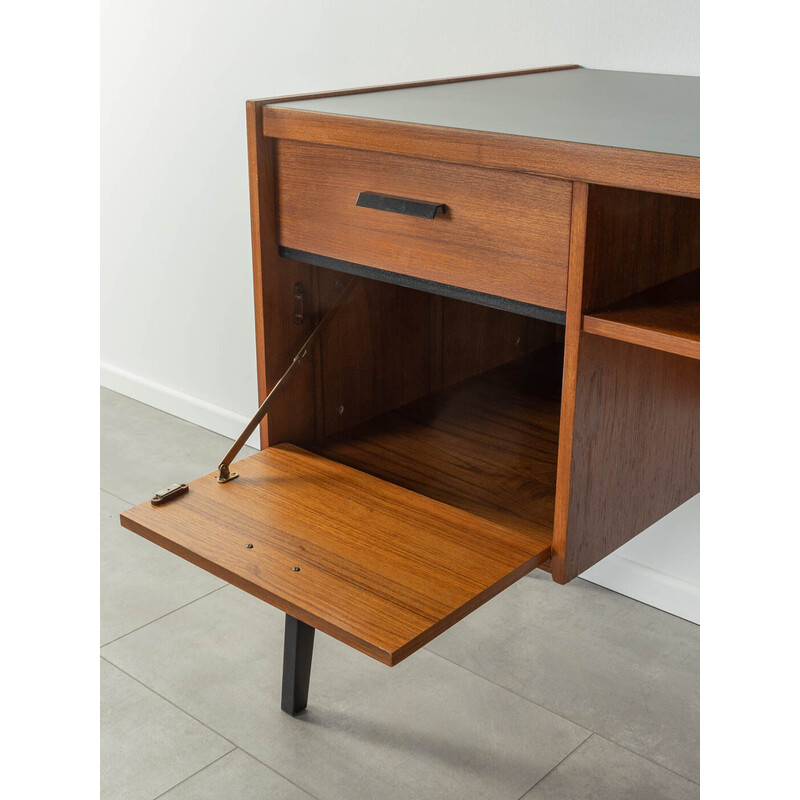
x: 508, y: 376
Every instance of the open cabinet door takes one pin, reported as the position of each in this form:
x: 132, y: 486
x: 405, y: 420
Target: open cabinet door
x: 377, y: 566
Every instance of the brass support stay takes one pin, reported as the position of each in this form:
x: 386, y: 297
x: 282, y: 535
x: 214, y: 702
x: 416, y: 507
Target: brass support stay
x: 225, y: 473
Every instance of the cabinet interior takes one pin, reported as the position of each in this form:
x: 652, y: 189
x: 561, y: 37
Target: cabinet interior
x: 455, y: 401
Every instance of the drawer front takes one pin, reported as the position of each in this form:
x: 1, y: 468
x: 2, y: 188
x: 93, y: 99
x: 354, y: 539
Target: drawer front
x: 502, y: 233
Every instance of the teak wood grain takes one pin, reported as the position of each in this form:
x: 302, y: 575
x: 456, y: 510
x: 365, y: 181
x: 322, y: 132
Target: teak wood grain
x: 636, y: 445
x: 636, y: 240
x: 380, y: 351
x: 610, y: 166
x: 477, y: 338
x: 504, y: 234
x: 382, y: 569
x: 274, y: 278
x: 572, y: 331
x: 487, y: 445
x: 666, y: 317
x: 392, y: 345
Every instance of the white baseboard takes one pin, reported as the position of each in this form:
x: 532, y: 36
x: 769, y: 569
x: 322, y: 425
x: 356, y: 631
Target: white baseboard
x: 647, y: 585
x: 185, y: 406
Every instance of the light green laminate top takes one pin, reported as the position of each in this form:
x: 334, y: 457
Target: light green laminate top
x: 632, y: 110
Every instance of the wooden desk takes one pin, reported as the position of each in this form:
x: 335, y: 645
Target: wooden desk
x: 512, y: 383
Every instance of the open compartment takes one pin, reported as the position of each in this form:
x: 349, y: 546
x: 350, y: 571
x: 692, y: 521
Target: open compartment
x: 487, y: 444
x: 664, y: 317
x: 642, y: 273
x: 408, y: 471
x: 455, y: 401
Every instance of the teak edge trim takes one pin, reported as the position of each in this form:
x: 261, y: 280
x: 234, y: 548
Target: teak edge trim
x: 388, y: 87
x: 577, y: 241
x: 263, y: 237
x: 634, y: 334
x: 632, y: 169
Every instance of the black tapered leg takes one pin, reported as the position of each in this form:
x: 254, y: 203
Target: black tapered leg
x: 298, y: 647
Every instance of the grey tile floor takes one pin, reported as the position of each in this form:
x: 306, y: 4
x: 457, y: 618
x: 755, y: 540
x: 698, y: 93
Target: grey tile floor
x: 544, y: 692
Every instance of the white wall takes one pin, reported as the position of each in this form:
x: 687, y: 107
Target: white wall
x: 177, y: 311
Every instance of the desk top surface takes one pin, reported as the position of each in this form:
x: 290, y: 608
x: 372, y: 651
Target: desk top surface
x: 632, y: 110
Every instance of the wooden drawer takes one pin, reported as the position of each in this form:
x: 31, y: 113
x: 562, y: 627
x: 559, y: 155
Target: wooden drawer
x: 502, y: 233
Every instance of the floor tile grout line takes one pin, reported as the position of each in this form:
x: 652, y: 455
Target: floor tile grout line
x: 233, y: 744
x: 554, y: 768
x: 279, y: 774
x: 202, y: 769
x: 567, y: 719
x: 508, y: 689
x: 113, y: 494
x: 639, y: 755
x: 156, y: 619
x: 167, y: 700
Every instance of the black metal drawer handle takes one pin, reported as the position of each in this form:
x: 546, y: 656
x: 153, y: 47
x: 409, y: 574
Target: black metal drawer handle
x: 399, y: 205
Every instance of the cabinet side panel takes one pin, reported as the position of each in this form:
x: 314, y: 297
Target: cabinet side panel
x: 636, y: 445
x: 278, y: 337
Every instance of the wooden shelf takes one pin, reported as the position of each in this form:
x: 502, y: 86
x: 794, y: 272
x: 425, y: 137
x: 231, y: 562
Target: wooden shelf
x: 488, y: 445
x: 666, y: 317
x: 381, y: 568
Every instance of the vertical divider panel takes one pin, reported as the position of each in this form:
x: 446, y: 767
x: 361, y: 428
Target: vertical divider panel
x: 629, y: 430
x: 572, y: 334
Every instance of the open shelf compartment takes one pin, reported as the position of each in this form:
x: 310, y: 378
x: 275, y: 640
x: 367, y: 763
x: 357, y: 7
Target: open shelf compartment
x: 665, y: 317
